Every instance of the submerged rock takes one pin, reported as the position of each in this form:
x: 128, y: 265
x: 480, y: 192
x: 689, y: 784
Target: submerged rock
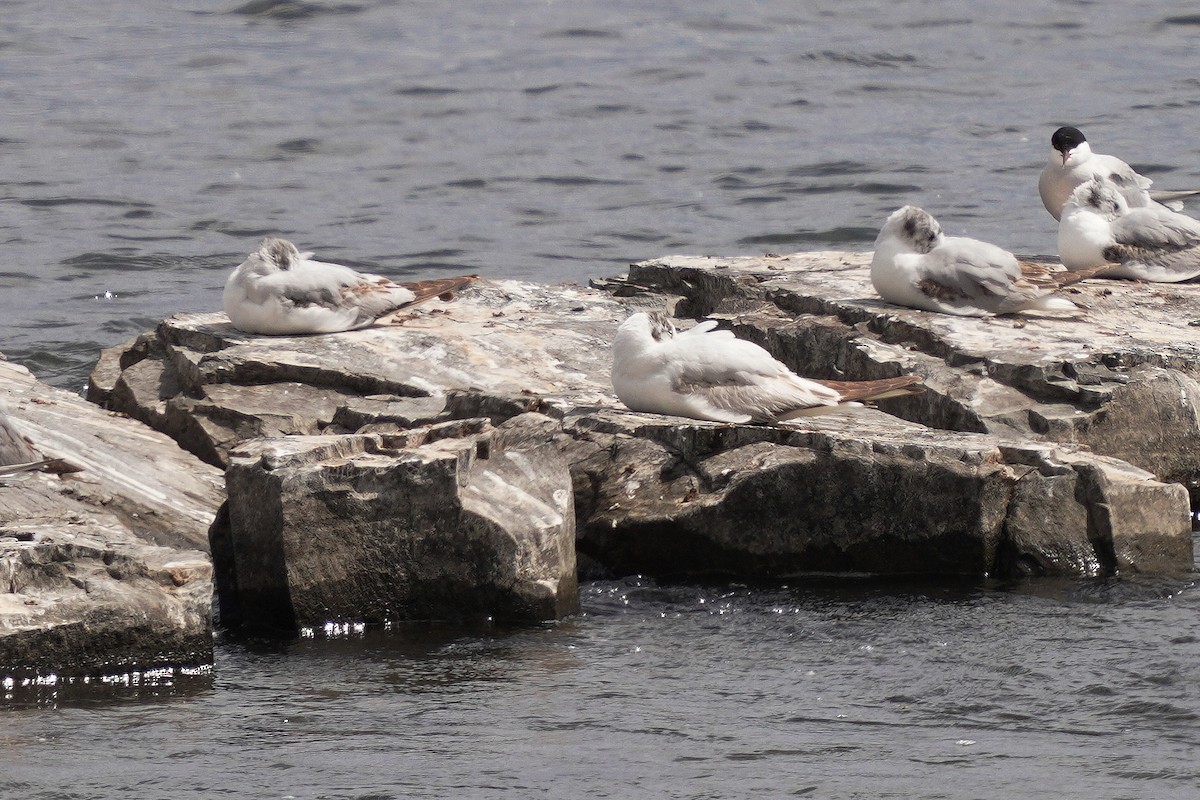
x: 987, y: 472
x: 103, y: 569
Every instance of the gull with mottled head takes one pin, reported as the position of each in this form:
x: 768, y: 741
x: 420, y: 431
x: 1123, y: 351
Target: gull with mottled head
x: 279, y: 290
x: 708, y: 374
x: 918, y: 266
x: 1099, y: 232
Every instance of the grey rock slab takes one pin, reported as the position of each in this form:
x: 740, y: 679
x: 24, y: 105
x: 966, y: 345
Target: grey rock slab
x: 862, y: 493
x: 198, y: 377
x: 457, y: 521
x: 104, y: 569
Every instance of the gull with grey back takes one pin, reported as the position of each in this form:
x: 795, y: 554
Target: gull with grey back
x: 279, y: 290
x: 918, y: 266
x: 709, y: 374
x: 1099, y: 232
x: 1072, y: 162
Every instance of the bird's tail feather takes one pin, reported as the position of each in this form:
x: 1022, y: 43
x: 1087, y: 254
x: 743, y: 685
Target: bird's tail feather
x: 1174, y: 199
x: 880, y: 389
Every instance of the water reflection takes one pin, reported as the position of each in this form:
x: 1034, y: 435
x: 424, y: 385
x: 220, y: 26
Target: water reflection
x: 147, y: 687
x: 411, y: 657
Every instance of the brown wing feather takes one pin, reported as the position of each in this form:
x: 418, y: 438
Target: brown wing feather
x: 436, y: 287
x: 876, y: 389
x: 367, y: 289
x: 940, y: 291
x: 1041, y: 276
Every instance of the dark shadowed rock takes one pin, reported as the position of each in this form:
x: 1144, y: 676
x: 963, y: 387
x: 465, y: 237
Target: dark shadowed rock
x: 457, y: 521
x: 672, y: 498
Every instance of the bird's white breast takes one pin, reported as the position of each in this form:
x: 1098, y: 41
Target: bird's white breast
x: 895, y: 274
x: 1082, y: 237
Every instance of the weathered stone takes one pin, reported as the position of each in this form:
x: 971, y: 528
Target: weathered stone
x: 103, y: 569
x: 211, y: 386
x: 360, y: 414
x: 13, y: 447
x: 868, y: 494
x: 986, y: 476
x: 453, y: 521
x: 1120, y: 379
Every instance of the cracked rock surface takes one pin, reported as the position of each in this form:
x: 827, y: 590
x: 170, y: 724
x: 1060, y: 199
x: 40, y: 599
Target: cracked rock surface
x: 105, y: 569
x: 1042, y: 445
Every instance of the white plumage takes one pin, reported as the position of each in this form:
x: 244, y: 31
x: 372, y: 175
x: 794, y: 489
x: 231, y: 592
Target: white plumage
x: 916, y: 265
x: 709, y: 374
x: 279, y: 290
x: 1101, y: 233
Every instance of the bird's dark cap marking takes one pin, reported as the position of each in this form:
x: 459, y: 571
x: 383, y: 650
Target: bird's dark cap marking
x: 280, y: 251
x: 660, y: 326
x: 1101, y: 196
x: 1067, y: 138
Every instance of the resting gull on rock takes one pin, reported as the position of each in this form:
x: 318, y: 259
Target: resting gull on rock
x: 279, y: 290
x: 709, y: 374
x: 916, y: 265
x: 1099, y: 230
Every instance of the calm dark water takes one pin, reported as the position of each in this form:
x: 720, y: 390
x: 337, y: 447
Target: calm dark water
x: 146, y: 147
x: 1052, y: 689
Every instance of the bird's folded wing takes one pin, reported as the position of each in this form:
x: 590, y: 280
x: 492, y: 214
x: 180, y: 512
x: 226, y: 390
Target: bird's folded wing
x: 438, y: 287
x: 737, y: 376
x: 1147, y: 229
x: 969, y: 271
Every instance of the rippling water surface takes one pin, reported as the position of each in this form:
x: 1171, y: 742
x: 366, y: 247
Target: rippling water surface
x: 147, y: 147
x: 1066, y: 690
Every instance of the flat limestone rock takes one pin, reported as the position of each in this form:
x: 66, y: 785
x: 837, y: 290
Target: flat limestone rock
x: 104, y: 569
x: 1120, y: 378
x: 457, y: 521
x: 1008, y: 465
x: 211, y: 387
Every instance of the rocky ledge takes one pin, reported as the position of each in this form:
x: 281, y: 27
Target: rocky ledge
x: 1042, y: 446
x: 1120, y: 380
x: 103, y: 560
x: 469, y: 459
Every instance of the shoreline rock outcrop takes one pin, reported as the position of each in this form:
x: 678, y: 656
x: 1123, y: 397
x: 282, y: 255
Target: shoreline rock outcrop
x: 987, y: 472
x: 457, y: 463
x: 457, y: 521
x: 102, y: 569
x: 1121, y: 380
